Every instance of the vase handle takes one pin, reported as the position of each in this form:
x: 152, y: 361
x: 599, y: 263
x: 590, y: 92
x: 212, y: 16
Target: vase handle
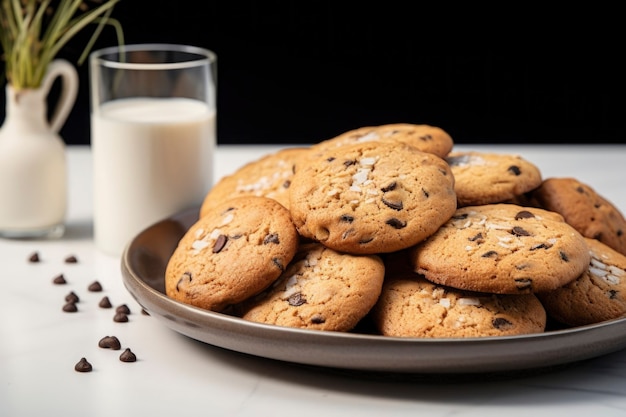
x: 69, y: 89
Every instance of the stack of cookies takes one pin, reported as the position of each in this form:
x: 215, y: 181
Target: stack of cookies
x: 391, y: 227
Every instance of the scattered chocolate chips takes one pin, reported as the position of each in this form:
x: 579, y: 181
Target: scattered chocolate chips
x: 128, y: 356
x: 71, y: 259
x: 59, y: 280
x: 83, y: 366
x: 70, y: 308
x: 120, y: 318
x: 122, y: 309
x: 72, y: 297
x: 34, y: 257
x: 110, y: 342
x: 95, y: 287
x: 105, y: 302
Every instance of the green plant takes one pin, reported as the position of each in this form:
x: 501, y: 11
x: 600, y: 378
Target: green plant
x: 32, y: 32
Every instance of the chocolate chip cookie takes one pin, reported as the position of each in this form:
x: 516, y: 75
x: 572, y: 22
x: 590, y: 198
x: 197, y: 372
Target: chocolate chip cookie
x: 236, y: 250
x: 372, y: 197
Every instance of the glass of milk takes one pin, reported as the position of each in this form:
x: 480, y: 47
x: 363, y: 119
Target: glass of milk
x: 153, y: 133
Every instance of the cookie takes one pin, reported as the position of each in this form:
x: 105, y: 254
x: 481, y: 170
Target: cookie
x: 599, y: 294
x: 411, y: 306
x: 582, y: 207
x: 321, y: 289
x: 426, y: 138
x: 502, y: 249
x: 236, y: 250
x: 372, y: 197
x: 268, y: 176
x: 486, y: 178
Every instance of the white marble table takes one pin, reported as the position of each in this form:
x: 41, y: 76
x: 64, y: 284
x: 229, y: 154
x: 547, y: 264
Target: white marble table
x: 175, y: 375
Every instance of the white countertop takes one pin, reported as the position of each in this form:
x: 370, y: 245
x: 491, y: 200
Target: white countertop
x: 175, y: 375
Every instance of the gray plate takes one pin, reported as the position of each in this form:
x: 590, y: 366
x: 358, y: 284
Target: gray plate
x: 143, y: 269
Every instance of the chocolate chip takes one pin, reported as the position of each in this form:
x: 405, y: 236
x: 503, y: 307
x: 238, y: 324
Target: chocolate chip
x: 612, y: 294
x: 389, y: 187
x: 128, y: 356
x: 296, y: 299
x: 94, y: 287
x: 71, y: 259
x: 501, y: 323
x: 524, y: 214
x: 318, y: 319
x: 122, y: 309
x: 580, y: 189
x: 462, y: 216
x: 490, y: 254
x: 426, y: 193
x: 220, y: 242
x: 346, y: 218
x: 396, y: 223
x: 83, y: 366
x: 120, y: 318
x: 365, y: 240
x: 564, y: 256
x: 541, y: 246
x: 396, y: 205
x: 287, y: 184
x: 426, y: 137
x: 349, y: 163
x: 519, y: 231
x: 514, y: 169
x: 70, y: 308
x: 186, y: 276
x: 34, y: 257
x: 105, y: 302
x: 110, y: 342
x: 523, y: 283
x: 72, y: 297
x: 59, y: 279
x: 477, y: 238
x: 271, y: 238
x: 278, y: 264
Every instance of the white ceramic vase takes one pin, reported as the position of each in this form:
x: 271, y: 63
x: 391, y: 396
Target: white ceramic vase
x: 33, y: 177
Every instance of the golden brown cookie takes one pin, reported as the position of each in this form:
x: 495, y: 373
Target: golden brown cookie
x: 233, y: 252
x: 268, y: 176
x: 502, y: 249
x: 320, y: 290
x: 372, y: 197
x: 583, y: 208
x: 599, y: 294
x: 411, y: 306
x: 426, y: 138
x: 486, y: 178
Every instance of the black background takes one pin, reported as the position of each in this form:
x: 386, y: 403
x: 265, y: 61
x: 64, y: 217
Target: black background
x: 301, y: 72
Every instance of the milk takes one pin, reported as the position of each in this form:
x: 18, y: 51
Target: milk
x: 152, y: 158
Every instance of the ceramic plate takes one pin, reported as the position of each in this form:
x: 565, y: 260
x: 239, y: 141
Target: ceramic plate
x: 143, y: 267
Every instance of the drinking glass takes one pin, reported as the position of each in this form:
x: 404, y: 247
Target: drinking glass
x: 153, y: 134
